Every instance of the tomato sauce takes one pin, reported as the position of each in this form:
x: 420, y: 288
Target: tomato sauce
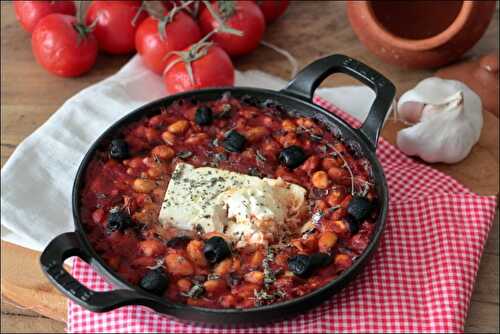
x: 333, y: 175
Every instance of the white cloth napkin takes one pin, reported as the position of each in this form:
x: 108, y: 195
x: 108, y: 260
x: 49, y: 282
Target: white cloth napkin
x: 37, y: 179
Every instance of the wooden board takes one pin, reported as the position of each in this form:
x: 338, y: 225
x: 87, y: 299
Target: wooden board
x: 309, y: 30
x: 24, y: 283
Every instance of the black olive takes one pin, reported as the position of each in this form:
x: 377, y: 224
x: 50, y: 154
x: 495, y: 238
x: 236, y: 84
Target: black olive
x: 352, y: 224
x: 118, y: 221
x: 359, y: 208
x: 304, y: 265
x: 203, y: 116
x: 300, y: 265
x: 155, y: 281
x: 118, y: 149
x: 320, y: 259
x: 292, y: 156
x: 234, y: 142
x: 233, y: 279
x: 216, y: 250
x: 178, y: 242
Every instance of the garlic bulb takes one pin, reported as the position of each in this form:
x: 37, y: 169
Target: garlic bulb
x: 447, y: 117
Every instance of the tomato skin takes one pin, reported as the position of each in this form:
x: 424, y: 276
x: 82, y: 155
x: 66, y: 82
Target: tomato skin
x: 180, y: 33
x: 272, y: 9
x: 114, y: 30
x: 29, y: 13
x: 215, y: 69
x: 56, y: 46
x: 247, y: 18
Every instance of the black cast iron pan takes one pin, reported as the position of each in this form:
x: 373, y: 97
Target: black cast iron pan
x: 297, y: 98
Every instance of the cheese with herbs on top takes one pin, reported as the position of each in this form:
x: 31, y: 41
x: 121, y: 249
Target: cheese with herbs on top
x: 246, y: 208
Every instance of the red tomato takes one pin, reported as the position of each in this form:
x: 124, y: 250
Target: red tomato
x: 214, y: 69
x: 60, y: 48
x: 115, y: 29
x: 246, y: 17
x: 179, y: 34
x: 272, y: 9
x: 28, y: 13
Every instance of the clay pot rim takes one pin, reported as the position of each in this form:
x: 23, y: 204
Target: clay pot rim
x: 419, y: 44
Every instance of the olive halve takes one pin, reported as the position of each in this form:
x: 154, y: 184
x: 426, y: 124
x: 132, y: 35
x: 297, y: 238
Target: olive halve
x: 351, y: 224
x: 292, y: 156
x: 118, y: 149
x: 300, y: 265
x: 118, y: 221
x: 234, y: 279
x: 216, y: 249
x: 234, y: 142
x: 155, y: 281
x: 359, y: 208
x: 179, y: 242
x: 203, y: 116
x: 320, y: 259
x: 304, y: 265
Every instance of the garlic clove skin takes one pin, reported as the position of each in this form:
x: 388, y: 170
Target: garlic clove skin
x: 449, y: 123
x: 410, y: 112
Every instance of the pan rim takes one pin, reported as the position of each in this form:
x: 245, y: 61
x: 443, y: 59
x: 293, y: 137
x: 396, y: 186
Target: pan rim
x: 111, y: 276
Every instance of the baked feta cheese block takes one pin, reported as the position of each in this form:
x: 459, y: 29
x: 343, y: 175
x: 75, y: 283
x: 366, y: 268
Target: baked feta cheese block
x: 246, y: 208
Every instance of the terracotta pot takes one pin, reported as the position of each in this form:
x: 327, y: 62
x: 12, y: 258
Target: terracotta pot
x: 419, y: 34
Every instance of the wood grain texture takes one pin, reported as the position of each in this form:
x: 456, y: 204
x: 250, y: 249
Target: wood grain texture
x: 23, y: 282
x: 309, y: 29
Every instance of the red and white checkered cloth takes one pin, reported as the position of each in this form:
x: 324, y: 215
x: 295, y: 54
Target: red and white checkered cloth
x: 419, y: 280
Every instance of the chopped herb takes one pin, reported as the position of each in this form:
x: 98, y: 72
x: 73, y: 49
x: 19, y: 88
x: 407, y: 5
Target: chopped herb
x: 255, y: 172
x: 184, y: 154
x: 177, y: 174
x: 316, y: 137
x: 114, y: 209
x: 156, y: 159
x: 346, y: 165
x: 259, y: 156
x: 365, y: 188
x: 263, y: 297
x: 300, y: 130
x: 196, y: 291
x: 159, y: 264
x: 220, y: 157
x: 228, y: 132
x: 212, y: 276
x: 269, y: 274
x: 316, y: 217
x: 226, y: 110
x: 333, y: 208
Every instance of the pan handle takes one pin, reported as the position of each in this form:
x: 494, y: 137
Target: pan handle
x: 306, y: 81
x: 67, y: 245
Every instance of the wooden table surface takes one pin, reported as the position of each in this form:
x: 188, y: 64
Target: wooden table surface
x: 29, y: 95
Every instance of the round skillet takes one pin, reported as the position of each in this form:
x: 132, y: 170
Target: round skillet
x: 296, y: 98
